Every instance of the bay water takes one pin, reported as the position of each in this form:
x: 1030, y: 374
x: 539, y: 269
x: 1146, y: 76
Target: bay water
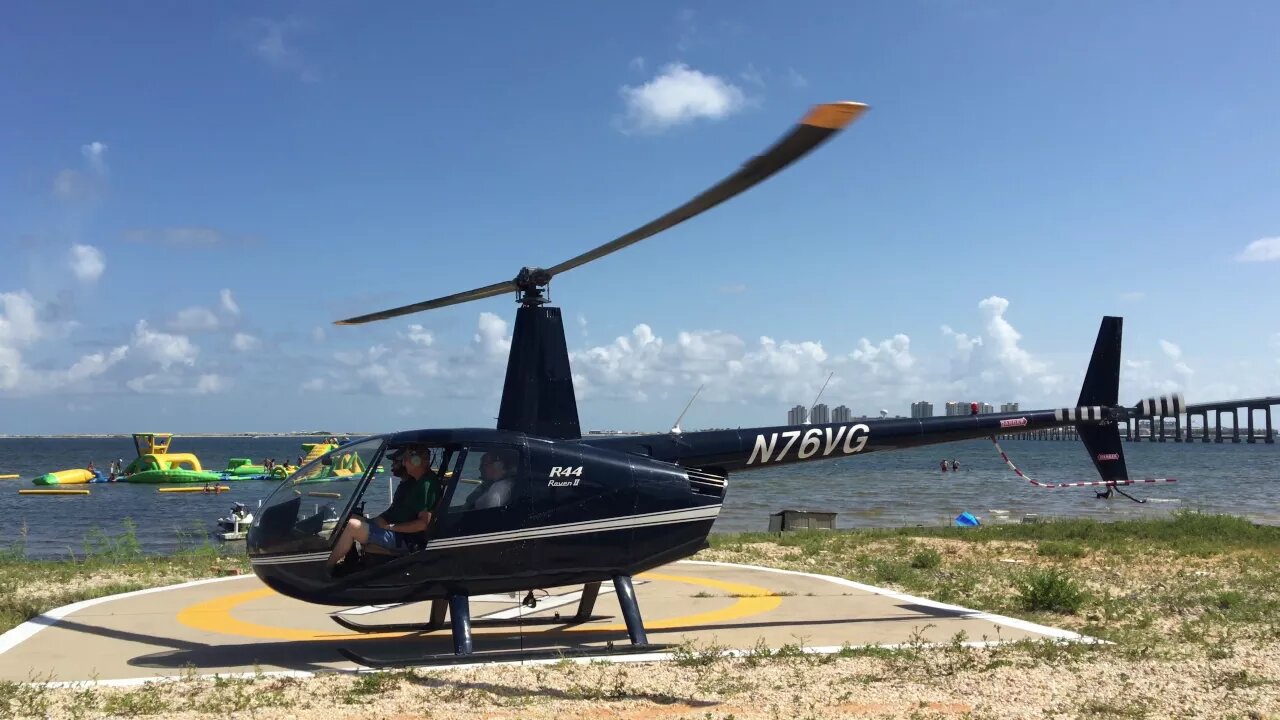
x: 882, y: 489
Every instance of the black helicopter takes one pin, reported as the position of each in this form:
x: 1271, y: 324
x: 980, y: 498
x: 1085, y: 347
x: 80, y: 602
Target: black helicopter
x: 588, y: 510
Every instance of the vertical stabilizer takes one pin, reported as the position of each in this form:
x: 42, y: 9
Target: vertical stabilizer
x: 1102, y: 381
x: 538, y: 395
x: 1102, y: 388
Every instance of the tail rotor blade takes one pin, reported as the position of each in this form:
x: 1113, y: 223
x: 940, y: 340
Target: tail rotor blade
x: 817, y: 127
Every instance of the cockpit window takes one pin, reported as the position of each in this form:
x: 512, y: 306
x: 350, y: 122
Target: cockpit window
x: 303, y: 512
x: 486, y: 480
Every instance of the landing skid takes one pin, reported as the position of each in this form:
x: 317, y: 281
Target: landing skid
x: 444, y: 659
x: 459, y: 609
x: 489, y: 622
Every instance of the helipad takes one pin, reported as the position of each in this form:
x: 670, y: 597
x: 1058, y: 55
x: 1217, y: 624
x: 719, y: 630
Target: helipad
x: 237, y: 625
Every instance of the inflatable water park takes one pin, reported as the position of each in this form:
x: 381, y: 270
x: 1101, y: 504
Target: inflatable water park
x: 156, y: 465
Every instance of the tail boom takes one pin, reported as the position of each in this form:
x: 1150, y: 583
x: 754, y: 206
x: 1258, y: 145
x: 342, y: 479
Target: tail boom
x: 755, y: 448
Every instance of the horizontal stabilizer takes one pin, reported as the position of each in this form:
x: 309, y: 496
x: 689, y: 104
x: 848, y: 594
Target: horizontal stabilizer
x: 1163, y: 406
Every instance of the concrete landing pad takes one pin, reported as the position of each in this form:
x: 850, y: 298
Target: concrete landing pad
x: 238, y: 625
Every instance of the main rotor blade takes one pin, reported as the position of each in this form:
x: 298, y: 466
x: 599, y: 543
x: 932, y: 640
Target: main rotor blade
x: 821, y: 123
x: 477, y: 294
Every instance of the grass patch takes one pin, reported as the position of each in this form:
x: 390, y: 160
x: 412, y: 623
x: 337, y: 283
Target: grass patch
x: 110, y: 563
x: 1050, y: 591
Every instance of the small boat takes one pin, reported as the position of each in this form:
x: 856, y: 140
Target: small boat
x: 235, y: 525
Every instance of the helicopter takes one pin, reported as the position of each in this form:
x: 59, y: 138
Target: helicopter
x: 586, y: 510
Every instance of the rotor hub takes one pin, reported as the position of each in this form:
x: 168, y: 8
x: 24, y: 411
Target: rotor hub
x: 532, y: 283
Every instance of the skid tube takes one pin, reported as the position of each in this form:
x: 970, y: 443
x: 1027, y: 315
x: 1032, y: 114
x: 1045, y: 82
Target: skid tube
x: 458, y: 607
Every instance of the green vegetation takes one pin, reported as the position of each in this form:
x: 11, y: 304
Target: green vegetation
x: 1150, y: 585
x: 107, y: 564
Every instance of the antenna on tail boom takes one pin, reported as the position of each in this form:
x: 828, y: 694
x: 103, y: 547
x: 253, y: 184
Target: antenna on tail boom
x: 675, y: 429
x: 814, y: 404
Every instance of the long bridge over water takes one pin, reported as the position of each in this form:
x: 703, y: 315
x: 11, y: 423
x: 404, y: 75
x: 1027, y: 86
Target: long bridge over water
x: 1158, y: 429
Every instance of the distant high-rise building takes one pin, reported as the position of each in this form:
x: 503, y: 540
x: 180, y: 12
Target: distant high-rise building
x: 957, y: 408
x: 796, y: 415
x: 821, y: 414
x: 922, y: 409
x: 841, y: 414
x: 985, y: 409
x: 1008, y: 407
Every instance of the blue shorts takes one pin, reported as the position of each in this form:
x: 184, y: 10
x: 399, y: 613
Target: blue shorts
x: 385, y: 538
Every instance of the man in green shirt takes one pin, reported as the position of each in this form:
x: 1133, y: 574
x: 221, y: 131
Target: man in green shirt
x: 401, y: 528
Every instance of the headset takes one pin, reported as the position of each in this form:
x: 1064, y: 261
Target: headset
x: 414, y: 458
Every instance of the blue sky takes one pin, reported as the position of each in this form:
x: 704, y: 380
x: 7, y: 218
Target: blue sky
x: 191, y: 194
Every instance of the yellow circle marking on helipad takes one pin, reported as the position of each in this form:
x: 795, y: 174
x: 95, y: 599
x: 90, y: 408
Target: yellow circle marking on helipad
x: 216, y: 615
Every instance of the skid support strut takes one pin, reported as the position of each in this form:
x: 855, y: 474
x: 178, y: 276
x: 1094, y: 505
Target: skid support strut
x: 460, y: 621
x: 588, y: 601
x: 630, y: 609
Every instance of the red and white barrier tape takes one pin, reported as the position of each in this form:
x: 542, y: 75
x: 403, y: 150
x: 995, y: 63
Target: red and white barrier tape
x: 1093, y: 483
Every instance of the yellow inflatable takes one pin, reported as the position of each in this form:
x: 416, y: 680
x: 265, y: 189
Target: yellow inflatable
x: 78, y: 476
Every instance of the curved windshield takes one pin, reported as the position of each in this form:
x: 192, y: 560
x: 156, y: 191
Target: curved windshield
x: 303, y: 512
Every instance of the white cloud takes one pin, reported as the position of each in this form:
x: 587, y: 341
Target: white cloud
x: 686, y: 29
x: 87, y: 262
x: 889, y: 359
x: 1017, y: 364
x: 164, y: 349
x: 185, y: 236
x: 244, y: 342
x: 1264, y: 250
x: 419, y: 335
x: 211, y: 383
x: 994, y: 364
x: 19, y: 325
x: 637, y: 64
x: 491, y: 336
x: 678, y: 95
x: 95, y: 154
x: 317, y: 334
x: 72, y: 185
x: 194, y: 319
x: 1174, y: 353
x: 96, y: 364
x: 228, y: 302
x: 795, y: 79
x: 964, y: 344
x: 272, y: 42
x: 172, y: 384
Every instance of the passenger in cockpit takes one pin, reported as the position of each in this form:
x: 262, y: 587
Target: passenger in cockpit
x: 497, y: 480
x: 401, y: 528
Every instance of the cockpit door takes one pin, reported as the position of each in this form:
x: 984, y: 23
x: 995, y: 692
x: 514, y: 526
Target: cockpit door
x: 483, y: 511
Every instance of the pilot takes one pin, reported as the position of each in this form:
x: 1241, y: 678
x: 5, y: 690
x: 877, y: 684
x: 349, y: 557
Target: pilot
x: 401, y: 528
x: 497, y: 480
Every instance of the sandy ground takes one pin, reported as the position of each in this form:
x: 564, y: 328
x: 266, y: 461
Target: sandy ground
x: 1182, y: 658
x: 1001, y: 683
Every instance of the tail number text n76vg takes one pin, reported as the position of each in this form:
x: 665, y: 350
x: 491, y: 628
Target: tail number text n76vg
x: 814, y: 442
